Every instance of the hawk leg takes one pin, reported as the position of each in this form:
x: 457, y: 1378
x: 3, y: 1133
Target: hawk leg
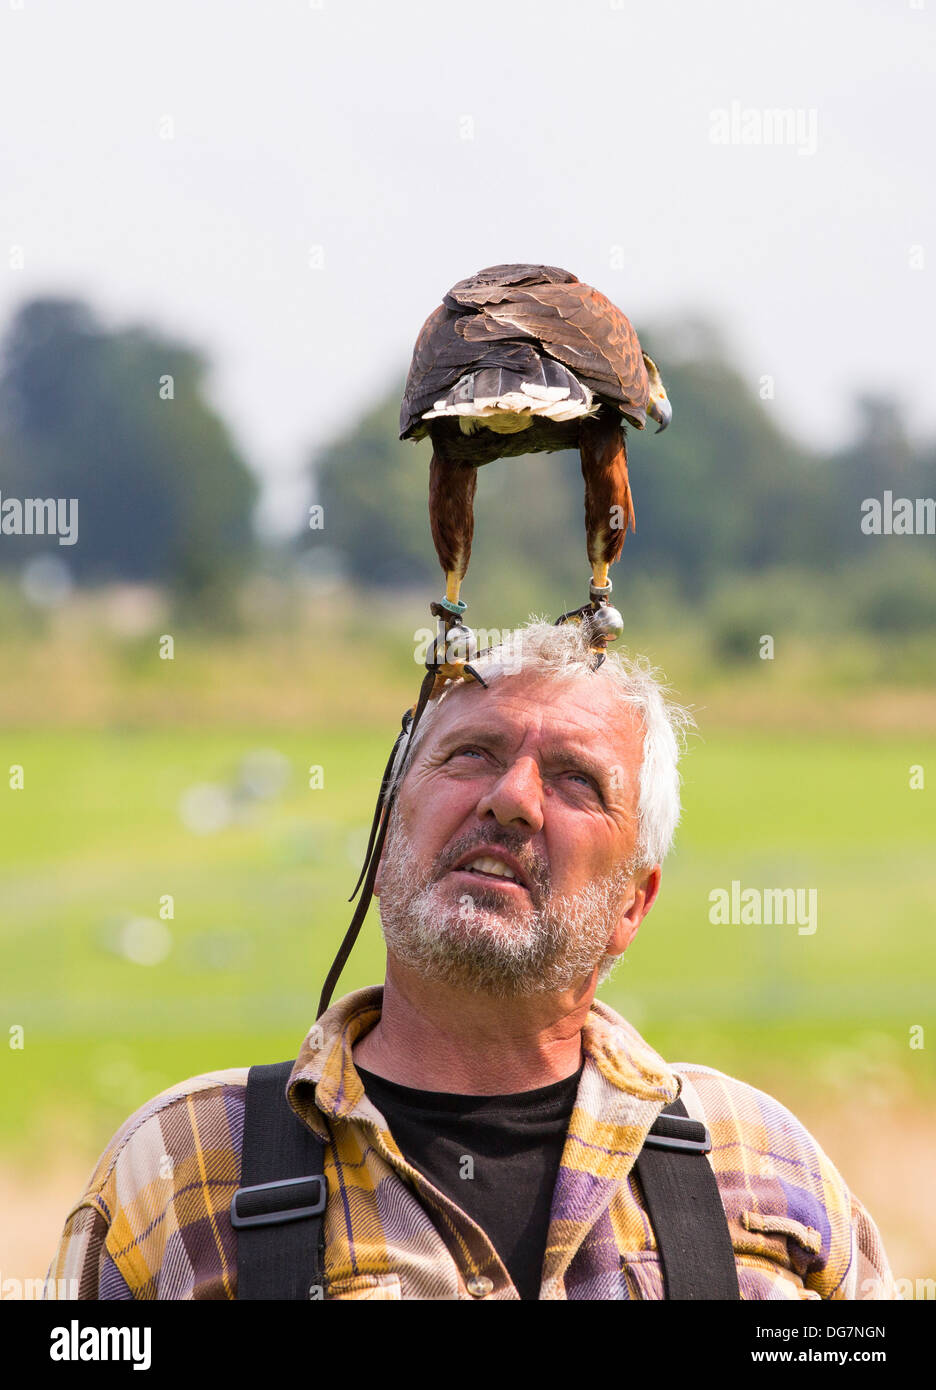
x: 451, y: 515
x: 609, y: 506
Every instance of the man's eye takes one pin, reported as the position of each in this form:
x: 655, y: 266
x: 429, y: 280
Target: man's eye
x: 467, y: 753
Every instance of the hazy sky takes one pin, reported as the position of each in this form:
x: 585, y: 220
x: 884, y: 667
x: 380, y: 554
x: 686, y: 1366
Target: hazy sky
x: 334, y: 167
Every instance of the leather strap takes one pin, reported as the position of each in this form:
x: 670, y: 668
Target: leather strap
x: 685, y: 1209
x: 374, y: 846
x: 278, y: 1211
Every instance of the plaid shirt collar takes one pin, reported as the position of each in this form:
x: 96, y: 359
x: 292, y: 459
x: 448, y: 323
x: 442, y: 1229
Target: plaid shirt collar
x: 617, y: 1059
x: 623, y: 1087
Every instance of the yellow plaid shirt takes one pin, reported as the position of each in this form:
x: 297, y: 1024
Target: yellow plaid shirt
x: 154, y: 1223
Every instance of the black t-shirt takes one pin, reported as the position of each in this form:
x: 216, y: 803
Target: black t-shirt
x: 495, y: 1157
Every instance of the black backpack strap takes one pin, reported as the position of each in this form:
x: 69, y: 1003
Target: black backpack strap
x: 685, y: 1208
x: 278, y: 1211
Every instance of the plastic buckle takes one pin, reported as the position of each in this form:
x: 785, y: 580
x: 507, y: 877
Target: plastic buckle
x: 667, y: 1141
x: 277, y: 1218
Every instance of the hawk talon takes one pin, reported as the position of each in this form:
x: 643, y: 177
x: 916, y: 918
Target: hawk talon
x: 456, y: 671
x: 574, y: 614
x: 470, y: 671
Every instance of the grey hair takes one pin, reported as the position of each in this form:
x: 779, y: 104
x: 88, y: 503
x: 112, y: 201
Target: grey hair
x: 559, y: 653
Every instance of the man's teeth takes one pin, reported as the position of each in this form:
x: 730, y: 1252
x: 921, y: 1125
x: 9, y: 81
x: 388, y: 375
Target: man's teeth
x: 491, y: 866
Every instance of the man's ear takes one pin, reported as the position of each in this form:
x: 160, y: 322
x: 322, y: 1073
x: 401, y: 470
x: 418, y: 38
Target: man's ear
x: 645, y: 890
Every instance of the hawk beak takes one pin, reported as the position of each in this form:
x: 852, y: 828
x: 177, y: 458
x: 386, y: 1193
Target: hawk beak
x: 661, y: 411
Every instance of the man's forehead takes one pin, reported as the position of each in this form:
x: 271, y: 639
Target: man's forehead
x: 585, y: 709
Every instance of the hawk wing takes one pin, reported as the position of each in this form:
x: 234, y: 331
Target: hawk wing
x: 497, y: 316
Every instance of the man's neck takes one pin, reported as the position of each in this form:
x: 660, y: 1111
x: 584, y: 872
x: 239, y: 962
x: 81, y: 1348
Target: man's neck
x: 436, y: 1038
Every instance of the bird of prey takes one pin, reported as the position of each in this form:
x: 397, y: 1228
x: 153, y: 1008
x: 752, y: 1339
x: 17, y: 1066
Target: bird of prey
x: 523, y: 359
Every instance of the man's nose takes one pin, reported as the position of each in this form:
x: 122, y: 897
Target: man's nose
x: 516, y: 796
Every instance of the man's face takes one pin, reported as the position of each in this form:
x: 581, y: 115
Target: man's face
x: 544, y: 774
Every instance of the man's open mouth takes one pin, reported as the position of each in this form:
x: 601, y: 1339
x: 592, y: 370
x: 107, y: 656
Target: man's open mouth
x: 492, y: 870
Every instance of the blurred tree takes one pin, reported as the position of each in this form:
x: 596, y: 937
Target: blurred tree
x: 85, y: 412
x: 880, y: 458
x: 726, y: 488
x: 370, y: 487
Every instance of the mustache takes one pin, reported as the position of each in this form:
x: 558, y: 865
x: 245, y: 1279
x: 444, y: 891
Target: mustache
x: 533, y: 862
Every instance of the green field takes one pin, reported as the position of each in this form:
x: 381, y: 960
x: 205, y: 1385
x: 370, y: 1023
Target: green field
x: 95, y: 839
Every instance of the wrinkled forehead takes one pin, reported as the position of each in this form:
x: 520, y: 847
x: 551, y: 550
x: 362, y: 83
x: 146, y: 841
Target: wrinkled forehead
x: 588, y: 710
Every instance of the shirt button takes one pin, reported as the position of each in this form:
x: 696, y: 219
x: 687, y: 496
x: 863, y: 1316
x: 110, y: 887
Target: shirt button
x: 480, y: 1286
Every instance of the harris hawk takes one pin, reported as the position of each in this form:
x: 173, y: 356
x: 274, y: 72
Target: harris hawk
x: 522, y: 359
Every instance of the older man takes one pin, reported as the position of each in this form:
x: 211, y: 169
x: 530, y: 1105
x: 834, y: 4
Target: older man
x: 481, y: 1112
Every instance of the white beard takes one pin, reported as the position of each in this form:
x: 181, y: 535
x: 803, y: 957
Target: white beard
x: 482, y: 943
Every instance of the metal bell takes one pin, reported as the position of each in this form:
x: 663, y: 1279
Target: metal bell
x: 461, y: 644
x: 607, y: 623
